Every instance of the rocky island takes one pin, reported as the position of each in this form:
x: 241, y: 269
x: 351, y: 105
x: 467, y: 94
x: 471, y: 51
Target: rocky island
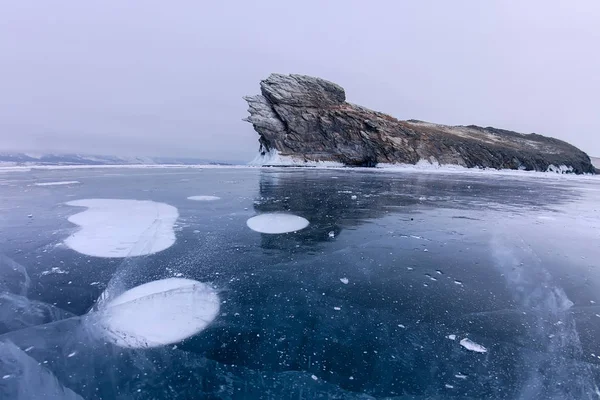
x: 303, y: 120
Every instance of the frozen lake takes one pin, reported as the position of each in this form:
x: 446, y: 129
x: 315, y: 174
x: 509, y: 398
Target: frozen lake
x: 350, y: 284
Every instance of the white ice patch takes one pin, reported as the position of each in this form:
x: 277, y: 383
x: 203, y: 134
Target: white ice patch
x: 112, y: 228
x: 472, y: 346
x: 56, y: 183
x: 159, y: 313
x: 274, y: 223
x: 451, y: 337
x: 204, y: 198
x: 345, y: 281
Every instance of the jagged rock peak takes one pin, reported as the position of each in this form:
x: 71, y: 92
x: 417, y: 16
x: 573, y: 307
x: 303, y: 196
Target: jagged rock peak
x: 303, y: 119
x: 301, y: 91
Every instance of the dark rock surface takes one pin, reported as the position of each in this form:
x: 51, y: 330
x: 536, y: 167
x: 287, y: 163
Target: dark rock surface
x: 306, y: 119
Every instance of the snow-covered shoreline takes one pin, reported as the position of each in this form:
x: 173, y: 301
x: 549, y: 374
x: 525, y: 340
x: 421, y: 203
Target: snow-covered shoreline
x: 422, y: 167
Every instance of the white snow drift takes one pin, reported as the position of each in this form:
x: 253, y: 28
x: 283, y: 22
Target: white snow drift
x: 274, y: 223
x: 159, y: 313
x: 122, y: 228
x: 61, y: 183
x: 204, y: 198
x: 472, y: 346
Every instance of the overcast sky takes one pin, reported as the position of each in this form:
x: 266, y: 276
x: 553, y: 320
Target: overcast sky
x: 167, y: 77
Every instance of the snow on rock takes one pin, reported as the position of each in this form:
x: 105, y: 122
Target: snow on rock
x: 274, y: 223
x: 159, y: 313
x: 561, y: 169
x: 273, y: 158
x: 204, y: 198
x: 472, y: 346
x: 112, y: 227
x: 61, y: 183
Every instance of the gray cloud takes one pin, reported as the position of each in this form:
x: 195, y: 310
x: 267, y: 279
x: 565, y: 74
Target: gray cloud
x: 166, y: 78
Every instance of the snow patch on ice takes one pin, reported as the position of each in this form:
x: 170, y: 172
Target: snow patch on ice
x: 451, y: 337
x: 53, y: 271
x: 160, y: 312
x: 345, y: 281
x: 111, y: 227
x: 61, y: 183
x: 472, y: 346
x: 203, y: 198
x: 274, y: 223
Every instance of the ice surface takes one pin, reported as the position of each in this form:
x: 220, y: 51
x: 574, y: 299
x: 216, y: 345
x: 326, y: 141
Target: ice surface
x: 112, y: 227
x: 270, y: 349
x: 274, y: 223
x: 23, y: 378
x: 203, y: 198
x: 159, y: 313
x: 471, y: 345
x: 60, y: 183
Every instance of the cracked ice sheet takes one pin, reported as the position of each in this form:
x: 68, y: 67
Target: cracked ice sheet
x: 112, y: 227
x: 23, y: 378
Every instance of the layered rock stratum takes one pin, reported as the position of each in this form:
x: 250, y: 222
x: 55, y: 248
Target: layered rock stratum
x: 305, y: 120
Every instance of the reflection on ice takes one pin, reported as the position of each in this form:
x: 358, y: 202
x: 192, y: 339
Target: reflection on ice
x: 111, y: 228
x: 159, y: 313
x: 274, y: 223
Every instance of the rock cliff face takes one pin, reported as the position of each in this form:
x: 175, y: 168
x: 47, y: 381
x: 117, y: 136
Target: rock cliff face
x: 306, y: 119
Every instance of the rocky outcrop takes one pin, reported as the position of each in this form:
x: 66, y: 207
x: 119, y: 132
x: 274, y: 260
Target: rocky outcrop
x: 305, y: 119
